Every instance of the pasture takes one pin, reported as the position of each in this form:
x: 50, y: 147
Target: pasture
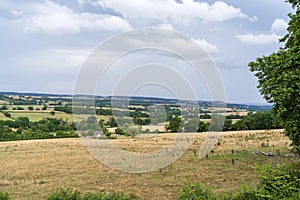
x: 34, y: 168
x: 3, y: 117
x: 38, y: 115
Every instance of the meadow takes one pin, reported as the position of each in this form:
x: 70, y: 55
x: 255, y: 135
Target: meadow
x: 33, y: 169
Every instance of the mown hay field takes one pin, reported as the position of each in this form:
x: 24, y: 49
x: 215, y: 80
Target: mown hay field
x: 33, y: 169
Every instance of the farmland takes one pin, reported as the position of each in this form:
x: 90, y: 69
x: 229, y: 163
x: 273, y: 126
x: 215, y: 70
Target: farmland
x: 32, y: 169
x: 142, y: 110
x: 36, y: 116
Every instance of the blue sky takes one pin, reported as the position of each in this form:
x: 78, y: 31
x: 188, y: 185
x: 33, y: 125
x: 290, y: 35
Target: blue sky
x: 44, y: 43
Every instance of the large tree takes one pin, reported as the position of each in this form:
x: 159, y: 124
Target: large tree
x: 279, y: 78
x: 174, y: 124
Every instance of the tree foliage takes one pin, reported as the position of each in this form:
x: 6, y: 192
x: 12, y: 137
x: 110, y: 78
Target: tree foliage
x: 279, y: 78
x: 195, y: 125
x: 23, y: 129
x: 295, y: 3
x: 258, y: 121
x: 174, y: 124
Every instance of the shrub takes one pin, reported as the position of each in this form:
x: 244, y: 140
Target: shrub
x: 281, y: 181
x: 112, y: 137
x: 4, y: 196
x: 119, y: 131
x: 4, y: 107
x: 7, y: 114
x: 244, y: 193
x: 30, y: 108
x: 67, y: 194
x: 195, y: 191
x: 101, y: 196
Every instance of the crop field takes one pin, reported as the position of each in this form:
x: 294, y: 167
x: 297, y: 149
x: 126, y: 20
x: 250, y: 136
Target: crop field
x: 36, y: 116
x: 33, y: 169
x: 2, y: 117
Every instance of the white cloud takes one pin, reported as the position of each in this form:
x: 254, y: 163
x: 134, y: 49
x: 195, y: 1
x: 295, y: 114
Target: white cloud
x: 279, y: 25
x: 17, y: 13
x: 55, y: 19
x: 209, y: 48
x: 166, y: 26
x: 265, y: 39
x: 260, y: 39
x: 168, y: 11
x: 54, y: 60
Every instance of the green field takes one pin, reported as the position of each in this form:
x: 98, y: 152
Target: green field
x: 2, y: 117
x: 36, y: 116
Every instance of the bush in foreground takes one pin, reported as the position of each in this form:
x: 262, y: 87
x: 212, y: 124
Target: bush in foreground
x: 279, y: 182
x: 67, y: 194
x: 194, y: 191
x: 275, y: 182
x: 4, y: 196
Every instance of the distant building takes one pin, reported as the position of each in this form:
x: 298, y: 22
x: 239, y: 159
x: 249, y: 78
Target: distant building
x: 77, y: 133
x: 97, y: 134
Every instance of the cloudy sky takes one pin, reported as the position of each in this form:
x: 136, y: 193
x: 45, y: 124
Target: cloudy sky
x: 44, y: 43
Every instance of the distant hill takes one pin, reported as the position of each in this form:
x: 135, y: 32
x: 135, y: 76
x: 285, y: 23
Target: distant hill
x: 139, y: 100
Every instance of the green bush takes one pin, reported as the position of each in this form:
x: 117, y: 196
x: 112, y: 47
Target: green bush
x: 112, y: 137
x: 101, y: 196
x: 195, y: 191
x: 281, y: 181
x: 244, y: 193
x: 4, y: 196
x: 275, y: 182
x: 119, y: 131
x: 7, y: 114
x: 295, y: 196
x: 67, y: 194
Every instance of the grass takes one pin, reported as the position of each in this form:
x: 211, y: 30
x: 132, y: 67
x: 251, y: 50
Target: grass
x: 104, y: 117
x: 33, y: 169
x: 36, y: 116
x: 25, y: 107
x: 3, y: 117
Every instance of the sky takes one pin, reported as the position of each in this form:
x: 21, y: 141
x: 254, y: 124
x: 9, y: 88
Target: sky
x: 44, y: 43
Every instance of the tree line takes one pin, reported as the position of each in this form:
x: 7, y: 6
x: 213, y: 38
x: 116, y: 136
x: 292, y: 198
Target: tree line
x: 22, y: 129
x: 258, y: 121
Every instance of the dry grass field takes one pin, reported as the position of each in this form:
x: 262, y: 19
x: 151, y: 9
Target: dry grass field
x: 33, y: 169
